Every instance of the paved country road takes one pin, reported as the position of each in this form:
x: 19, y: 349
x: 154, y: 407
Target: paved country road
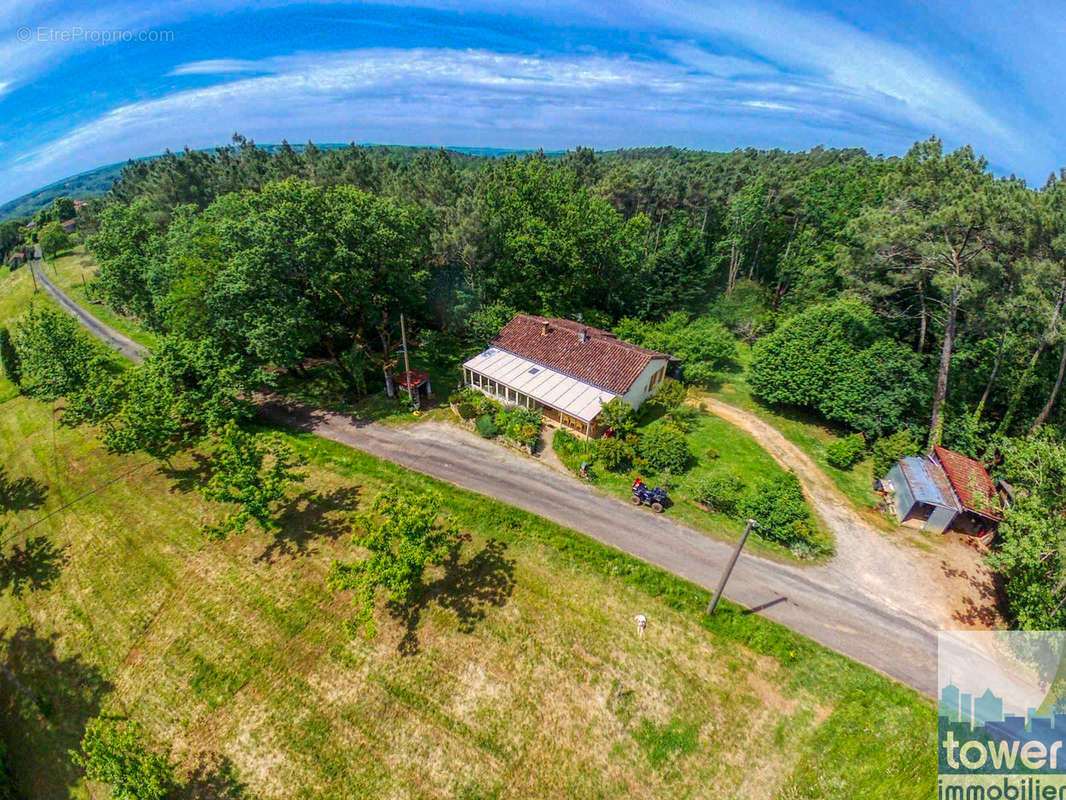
x: 844, y: 611
x: 109, y: 336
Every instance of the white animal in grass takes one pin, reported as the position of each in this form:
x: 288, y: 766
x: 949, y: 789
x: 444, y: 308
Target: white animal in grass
x: 642, y: 623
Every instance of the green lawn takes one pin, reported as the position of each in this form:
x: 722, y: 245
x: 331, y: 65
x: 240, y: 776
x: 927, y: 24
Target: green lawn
x: 518, y: 675
x: 810, y: 434
x: 16, y: 291
x: 717, y: 445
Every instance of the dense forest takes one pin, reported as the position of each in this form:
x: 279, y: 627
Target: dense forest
x: 914, y: 300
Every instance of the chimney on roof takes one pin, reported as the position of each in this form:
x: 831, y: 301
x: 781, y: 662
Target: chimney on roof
x: 545, y: 327
x: 584, y: 335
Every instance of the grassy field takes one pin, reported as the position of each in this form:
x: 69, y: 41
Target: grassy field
x: 716, y: 445
x: 518, y: 675
x: 16, y: 291
x: 811, y: 435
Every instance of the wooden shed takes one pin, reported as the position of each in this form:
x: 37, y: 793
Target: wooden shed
x: 944, y: 490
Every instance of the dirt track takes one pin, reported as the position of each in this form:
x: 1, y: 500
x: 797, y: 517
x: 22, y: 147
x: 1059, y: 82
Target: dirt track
x: 866, y: 558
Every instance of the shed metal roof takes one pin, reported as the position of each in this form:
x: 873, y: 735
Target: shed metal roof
x: 567, y: 394
x: 928, y: 482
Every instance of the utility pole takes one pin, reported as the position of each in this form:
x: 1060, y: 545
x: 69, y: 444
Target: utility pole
x: 33, y: 274
x: 406, y: 361
x: 729, y: 569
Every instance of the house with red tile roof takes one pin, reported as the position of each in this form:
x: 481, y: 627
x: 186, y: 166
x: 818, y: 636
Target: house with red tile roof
x: 564, y: 368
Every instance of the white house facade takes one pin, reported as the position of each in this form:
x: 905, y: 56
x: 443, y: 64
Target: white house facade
x: 565, y: 369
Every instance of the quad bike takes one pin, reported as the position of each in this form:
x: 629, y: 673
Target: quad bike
x: 644, y: 495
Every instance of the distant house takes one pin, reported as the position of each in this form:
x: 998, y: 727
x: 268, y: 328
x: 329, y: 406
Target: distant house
x: 944, y: 490
x: 564, y: 368
x: 69, y: 225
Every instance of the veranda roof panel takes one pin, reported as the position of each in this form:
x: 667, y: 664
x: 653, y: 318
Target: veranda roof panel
x: 569, y: 395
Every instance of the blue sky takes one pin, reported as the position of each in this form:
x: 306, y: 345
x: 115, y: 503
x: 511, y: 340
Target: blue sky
x: 527, y: 73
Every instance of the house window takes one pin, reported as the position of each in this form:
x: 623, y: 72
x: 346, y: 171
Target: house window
x: 656, y: 378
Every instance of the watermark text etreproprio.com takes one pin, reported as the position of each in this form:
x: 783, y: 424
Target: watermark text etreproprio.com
x: 79, y: 35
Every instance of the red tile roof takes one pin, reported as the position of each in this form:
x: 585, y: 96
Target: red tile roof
x: 969, y: 480
x: 591, y: 355
x: 414, y: 378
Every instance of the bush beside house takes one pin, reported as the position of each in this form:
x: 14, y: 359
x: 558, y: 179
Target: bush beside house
x: 518, y: 426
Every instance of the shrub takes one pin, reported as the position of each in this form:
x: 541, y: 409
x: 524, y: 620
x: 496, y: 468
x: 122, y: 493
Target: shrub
x: 486, y: 426
x: 55, y: 356
x: 568, y: 447
x: 466, y: 409
x: 520, y: 425
x: 617, y: 415
x: 664, y: 447
x: 668, y: 394
x: 683, y: 418
x: 615, y: 453
x: 116, y: 753
x: 837, y: 360
x: 476, y: 400
x: 720, y: 490
x: 889, y: 449
x: 9, y: 358
x: 780, y: 510
x: 843, y: 453
x: 564, y: 442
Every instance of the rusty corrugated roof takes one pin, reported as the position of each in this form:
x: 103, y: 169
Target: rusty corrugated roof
x: 969, y: 480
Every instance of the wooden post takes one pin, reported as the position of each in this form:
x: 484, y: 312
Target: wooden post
x: 729, y: 569
x: 406, y: 361
x: 33, y: 274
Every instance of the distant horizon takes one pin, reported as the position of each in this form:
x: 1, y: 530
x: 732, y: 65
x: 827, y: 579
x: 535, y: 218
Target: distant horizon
x: 86, y: 84
x: 455, y: 148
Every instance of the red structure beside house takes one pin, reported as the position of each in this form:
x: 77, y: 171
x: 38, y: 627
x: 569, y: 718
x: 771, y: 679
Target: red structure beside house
x: 973, y: 487
x: 944, y: 490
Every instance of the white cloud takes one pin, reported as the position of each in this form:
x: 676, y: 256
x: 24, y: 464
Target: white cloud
x: 768, y: 105
x: 703, y: 60
x: 439, y: 96
x: 796, y: 78
x: 217, y: 66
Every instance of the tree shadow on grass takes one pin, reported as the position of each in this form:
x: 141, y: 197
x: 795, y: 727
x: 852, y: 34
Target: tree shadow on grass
x: 468, y: 588
x: 20, y: 494
x: 45, y: 702
x: 309, y: 516
x: 189, y: 477
x: 213, y: 777
x: 33, y: 566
